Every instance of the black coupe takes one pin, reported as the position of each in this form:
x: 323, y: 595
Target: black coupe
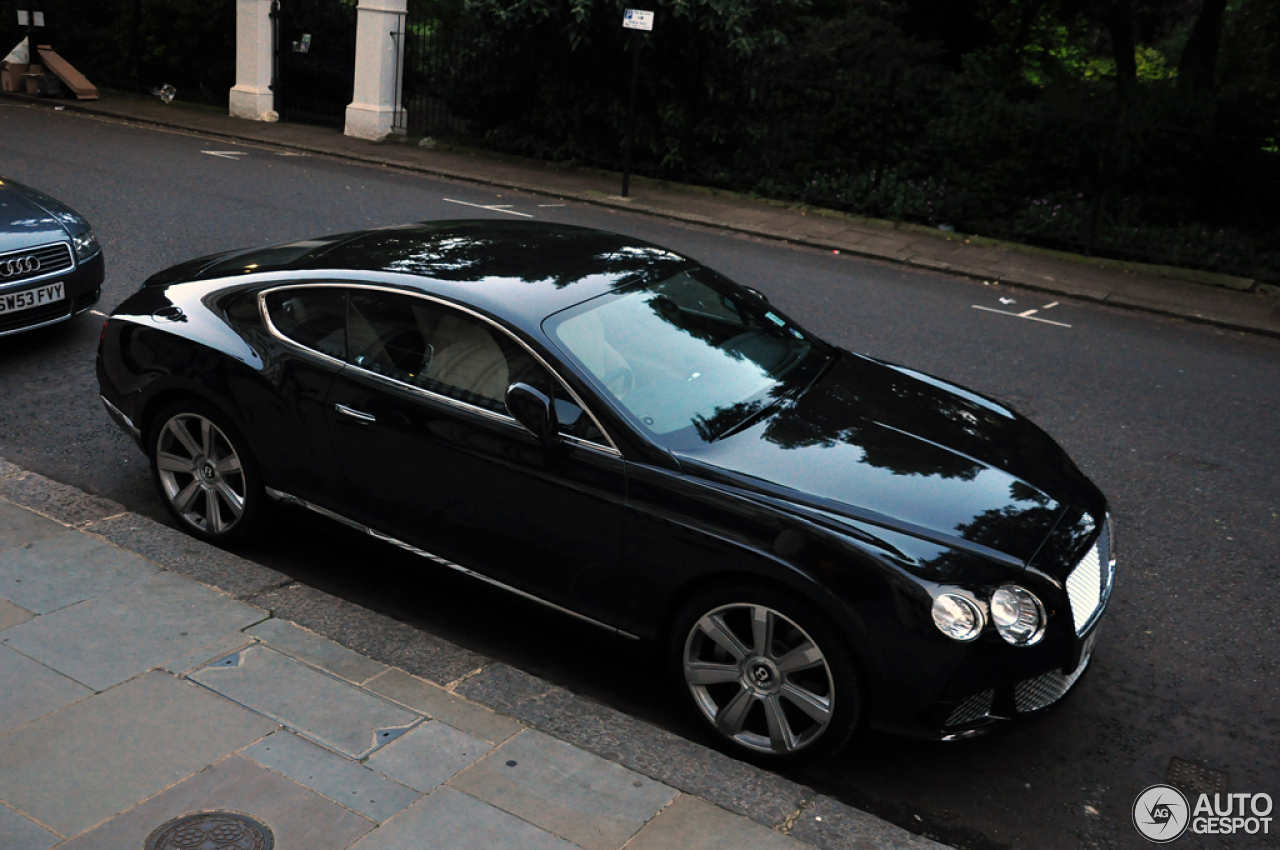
x: 50, y: 263
x: 818, y: 539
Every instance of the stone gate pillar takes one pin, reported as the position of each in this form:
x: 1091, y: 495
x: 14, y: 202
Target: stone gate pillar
x: 375, y: 105
x: 252, y: 97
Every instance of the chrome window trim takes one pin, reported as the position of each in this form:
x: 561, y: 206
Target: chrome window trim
x: 71, y: 254
x: 282, y: 496
x: 610, y: 449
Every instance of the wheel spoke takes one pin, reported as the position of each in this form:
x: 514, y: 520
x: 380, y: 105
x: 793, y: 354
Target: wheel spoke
x: 780, y: 734
x: 172, y: 463
x: 706, y: 673
x: 731, y: 718
x: 714, y: 627
x: 206, y: 437
x: 819, y: 708
x: 802, y: 657
x: 761, y: 630
x: 187, y: 496
x: 229, y: 465
x: 213, y: 507
x: 179, y: 430
x: 233, y: 500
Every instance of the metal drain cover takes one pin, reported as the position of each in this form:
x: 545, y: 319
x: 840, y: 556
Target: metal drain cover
x: 213, y: 830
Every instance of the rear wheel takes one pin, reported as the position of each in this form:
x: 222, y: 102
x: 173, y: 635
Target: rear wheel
x: 205, y: 474
x: 766, y: 671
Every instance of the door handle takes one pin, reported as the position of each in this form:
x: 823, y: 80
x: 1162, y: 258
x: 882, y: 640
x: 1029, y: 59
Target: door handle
x: 355, y: 414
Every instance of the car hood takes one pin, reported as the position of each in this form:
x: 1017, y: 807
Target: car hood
x: 880, y: 443
x: 28, y: 217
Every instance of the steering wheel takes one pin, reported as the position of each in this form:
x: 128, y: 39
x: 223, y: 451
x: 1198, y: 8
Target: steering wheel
x: 627, y: 377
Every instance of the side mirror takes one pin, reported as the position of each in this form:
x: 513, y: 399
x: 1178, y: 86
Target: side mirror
x: 535, y: 411
x: 757, y: 293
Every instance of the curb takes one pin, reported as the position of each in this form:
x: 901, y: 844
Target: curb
x: 743, y: 789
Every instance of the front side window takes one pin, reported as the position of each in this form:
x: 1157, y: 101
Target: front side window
x: 690, y: 358
x: 452, y: 354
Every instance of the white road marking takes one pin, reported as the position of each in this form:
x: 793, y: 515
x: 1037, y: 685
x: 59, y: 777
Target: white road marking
x: 96, y: 313
x: 226, y: 154
x: 542, y: 206
x: 291, y: 153
x: 1024, y: 315
x: 494, y: 207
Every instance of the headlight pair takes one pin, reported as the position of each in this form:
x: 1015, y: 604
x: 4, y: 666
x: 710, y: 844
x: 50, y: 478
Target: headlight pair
x: 1019, y: 617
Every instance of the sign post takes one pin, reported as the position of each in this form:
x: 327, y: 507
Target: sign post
x: 641, y: 21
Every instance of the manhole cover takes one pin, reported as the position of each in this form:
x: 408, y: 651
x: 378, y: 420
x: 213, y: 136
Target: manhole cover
x: 211, y: 831
x: 1195, y: 779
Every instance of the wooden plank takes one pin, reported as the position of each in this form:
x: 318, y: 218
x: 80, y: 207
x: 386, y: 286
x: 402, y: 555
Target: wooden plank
x: 63, y: 70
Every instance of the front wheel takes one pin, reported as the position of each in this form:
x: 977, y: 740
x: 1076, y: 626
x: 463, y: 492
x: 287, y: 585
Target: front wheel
x: 205, y: 474
x: 767, y: 673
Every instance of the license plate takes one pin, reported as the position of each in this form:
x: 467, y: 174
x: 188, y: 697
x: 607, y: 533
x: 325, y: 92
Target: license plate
x: 28, y: 298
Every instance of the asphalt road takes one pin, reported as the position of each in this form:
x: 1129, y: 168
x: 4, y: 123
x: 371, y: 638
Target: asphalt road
x: 1176, y: 422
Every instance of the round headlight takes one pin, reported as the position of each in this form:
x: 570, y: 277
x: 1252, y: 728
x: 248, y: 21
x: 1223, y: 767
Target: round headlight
x: 957, y: 617
x: 1018, y: 615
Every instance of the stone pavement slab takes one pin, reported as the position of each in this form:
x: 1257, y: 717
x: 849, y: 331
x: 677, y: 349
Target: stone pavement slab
x: 28, y: 689
x: 298, y: 818
x: 72, y: 769
x: 132, y: 629
x: 428, y: 756
x: 436, y: 702
x: 19, y: 526
x: 317, y: 706
x: 11, y: 615
x: 447, y: 819
x: 20, y: 833
x: 62, y: 502
x: 583, y: 798
x: 62, y: 570
x: 331, y: 775
x: 310, y: 647
x: 213, y: 651
x: 693, y: 824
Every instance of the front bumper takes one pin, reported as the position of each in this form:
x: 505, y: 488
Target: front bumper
x: 83, y: 286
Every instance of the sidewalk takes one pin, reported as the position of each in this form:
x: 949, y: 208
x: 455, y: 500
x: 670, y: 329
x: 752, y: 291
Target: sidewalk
x: 1214, y: 299
x: 146, y: 677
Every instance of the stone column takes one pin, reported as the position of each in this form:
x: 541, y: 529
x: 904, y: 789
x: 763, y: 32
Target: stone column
x: 252, y: 97
x: 375, y: 105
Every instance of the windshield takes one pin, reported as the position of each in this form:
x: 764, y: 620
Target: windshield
x: 691, y: 358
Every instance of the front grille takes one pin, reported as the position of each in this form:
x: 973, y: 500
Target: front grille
x: 47, y: 259
x: 1045, y: 690
x: 975, y: 707
x: 1090, y: 580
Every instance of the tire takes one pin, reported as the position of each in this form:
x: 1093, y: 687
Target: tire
x: 767, y: 673
x: 205, y: 474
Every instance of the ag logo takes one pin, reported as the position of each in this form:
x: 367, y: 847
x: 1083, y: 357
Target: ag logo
x: 1161, y: 814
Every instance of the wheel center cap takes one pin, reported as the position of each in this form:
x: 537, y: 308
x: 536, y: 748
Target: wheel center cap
x: 761, y: 675
x: 207, y: 471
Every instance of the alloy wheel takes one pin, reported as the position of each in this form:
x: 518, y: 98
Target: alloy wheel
x: 201, y: 473
x: 759, y: 678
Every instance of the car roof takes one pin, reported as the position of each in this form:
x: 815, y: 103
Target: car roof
x: 524, y: 270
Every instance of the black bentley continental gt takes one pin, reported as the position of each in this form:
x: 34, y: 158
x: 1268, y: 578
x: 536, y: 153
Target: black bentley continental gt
x: 819, y: 540
x: 50, y: 262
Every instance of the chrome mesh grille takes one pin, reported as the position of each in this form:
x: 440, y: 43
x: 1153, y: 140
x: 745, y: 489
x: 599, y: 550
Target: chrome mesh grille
x: 1087, y: 582
x: 976, y: 706
x: 48, y: 259
x: 1045, y: 690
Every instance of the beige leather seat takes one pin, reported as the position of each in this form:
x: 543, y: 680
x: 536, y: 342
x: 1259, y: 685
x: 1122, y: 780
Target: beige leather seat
x: 584, y: 337
x: 467, y: 358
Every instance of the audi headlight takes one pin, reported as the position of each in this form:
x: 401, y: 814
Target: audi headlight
x: 1018, y: 615
x: 958, y: 617
x: 86, y: 244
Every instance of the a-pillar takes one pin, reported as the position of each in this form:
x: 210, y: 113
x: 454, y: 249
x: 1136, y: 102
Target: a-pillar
x: 252, y: 97
x: 375, y: 108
